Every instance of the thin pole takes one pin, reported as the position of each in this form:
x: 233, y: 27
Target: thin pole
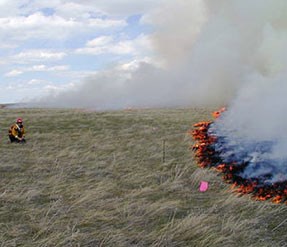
x: 163, y: 151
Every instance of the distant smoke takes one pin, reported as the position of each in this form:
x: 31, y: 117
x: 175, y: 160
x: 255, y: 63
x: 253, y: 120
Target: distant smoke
x: 201, y: 65
x: 225, y: 52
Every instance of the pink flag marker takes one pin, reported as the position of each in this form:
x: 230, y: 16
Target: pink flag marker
x: 203, y: 186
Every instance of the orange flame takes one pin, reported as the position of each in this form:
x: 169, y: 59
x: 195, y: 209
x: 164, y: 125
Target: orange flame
x: 206, y: 157
x: 217, y: 114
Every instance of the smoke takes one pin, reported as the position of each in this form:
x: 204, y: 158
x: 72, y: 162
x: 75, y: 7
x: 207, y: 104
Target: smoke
x: 230, y: 52
x: 199, y: 46
x: 254, y: 128
x: 224, y: 52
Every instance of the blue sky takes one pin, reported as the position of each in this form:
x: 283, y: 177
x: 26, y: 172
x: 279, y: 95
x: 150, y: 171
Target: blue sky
x: 54, y: 45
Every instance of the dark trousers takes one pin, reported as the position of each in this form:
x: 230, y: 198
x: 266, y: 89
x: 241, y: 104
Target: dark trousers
x: 13, y: 139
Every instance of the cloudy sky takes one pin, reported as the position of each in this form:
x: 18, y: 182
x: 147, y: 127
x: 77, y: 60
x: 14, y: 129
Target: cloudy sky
x: 113, y: 54
x: 49, y: 46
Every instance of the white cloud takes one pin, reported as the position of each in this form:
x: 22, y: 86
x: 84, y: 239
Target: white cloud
x: 9, y: 8
x: 73, y: 10
x: 46, y: 68
x: 37, y: 68
x: 100, y: 41
x: 41, y: 67
x: 35, y: 36
x: 91, y: 51
x: 121, y: 48
x: 32, y: 56
x: 108, y: 45
x: 39, y: 26
x: 36, y: 82
x: 79, y: 8
x: 34, y: 20
x: 105, y: 23
x: 123, y: 7
x: 135, y: 64
x: 24, y: 19
x: 13, y: 73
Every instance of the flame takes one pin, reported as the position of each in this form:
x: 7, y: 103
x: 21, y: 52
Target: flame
x: 207, y: 157
x: 277, y: 199
x: 217, y: 114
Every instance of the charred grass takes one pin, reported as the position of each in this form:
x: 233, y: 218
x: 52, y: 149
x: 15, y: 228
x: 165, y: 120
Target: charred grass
x: 123, y: 178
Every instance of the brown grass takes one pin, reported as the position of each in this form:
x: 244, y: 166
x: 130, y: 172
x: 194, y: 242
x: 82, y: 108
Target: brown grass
x: 103, y: 179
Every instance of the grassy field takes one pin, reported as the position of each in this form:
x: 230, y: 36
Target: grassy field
x: 123, y: 178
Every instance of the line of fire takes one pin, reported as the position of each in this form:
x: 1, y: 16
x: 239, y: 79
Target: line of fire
x: 208, y: 157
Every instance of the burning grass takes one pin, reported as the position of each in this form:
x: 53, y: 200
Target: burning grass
x: 208, y: 156
x: 106, y: 179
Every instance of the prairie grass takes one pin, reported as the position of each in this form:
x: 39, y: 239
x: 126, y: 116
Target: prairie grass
x: 122, y: 178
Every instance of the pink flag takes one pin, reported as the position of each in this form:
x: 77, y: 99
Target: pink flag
x: 203, y: 186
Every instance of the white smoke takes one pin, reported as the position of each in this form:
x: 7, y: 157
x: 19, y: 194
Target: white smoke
x: 214, y: 52
x: 255, y: 126
x: 230, y: 52
x: 202, y: 58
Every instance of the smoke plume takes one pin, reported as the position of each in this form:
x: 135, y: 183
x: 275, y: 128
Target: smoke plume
x: 229, y: 52
x: 225, y: 52
x: 254, y: 128
x: 204, y: 59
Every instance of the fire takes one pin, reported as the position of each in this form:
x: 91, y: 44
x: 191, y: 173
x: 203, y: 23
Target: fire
x: 208, y: 157
x: 217, y: 114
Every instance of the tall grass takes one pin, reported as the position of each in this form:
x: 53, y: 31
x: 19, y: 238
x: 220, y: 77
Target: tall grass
x: 123, y: 178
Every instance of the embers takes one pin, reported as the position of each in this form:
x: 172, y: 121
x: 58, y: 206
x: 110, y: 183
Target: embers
x: 207, y: 156
x: 204, y: 151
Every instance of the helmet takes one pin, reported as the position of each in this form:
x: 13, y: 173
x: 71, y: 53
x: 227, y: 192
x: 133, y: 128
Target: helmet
x: 19, y: 120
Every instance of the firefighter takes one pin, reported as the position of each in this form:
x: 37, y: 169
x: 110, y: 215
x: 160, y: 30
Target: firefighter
x: 17, y: 132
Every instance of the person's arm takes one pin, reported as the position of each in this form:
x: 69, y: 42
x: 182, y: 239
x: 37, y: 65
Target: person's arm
x: 14, y: 132
x: 23, y: 133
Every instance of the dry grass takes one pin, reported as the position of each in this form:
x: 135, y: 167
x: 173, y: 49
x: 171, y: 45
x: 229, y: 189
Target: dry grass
x: 123, y: 178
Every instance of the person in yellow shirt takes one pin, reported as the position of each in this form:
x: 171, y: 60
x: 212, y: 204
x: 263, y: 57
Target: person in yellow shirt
x: 17, y: 132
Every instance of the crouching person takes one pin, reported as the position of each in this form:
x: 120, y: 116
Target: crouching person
x: 17, y: 132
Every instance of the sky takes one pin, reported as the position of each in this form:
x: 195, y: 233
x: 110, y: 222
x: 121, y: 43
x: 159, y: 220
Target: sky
x: 51, y: 46
x: 108, y: 54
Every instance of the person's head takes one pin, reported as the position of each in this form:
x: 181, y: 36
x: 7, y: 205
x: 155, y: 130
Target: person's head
x: 19, y: 121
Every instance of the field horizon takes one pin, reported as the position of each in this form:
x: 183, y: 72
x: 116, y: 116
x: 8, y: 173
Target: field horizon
x: 121, y: 178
